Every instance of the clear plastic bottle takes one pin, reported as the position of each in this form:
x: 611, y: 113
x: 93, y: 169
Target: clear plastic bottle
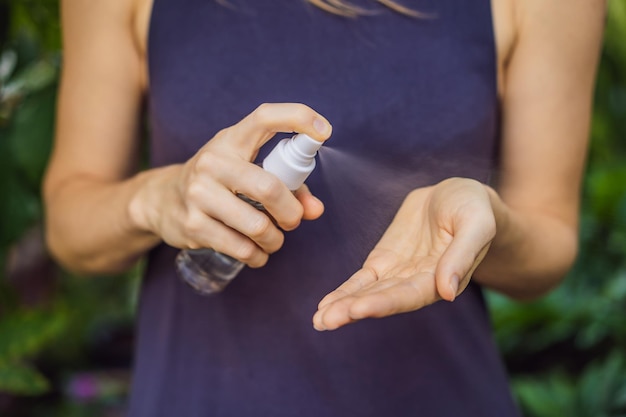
x: 208, y: 271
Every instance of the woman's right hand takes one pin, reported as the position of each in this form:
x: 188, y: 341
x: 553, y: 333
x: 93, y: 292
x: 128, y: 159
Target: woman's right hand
x: 195, y: 205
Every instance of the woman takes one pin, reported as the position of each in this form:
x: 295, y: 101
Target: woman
x: 459, y: 96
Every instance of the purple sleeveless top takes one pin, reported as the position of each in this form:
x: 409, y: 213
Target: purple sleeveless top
x: 414, y: 98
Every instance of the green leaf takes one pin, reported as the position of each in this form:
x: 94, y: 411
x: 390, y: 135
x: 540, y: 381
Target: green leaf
x: 37, y: 19
x: 601, y: 385
x: 546, y: 396
x: 17, y: 378
x: 36, y: 77
x: 25, y: 334
x: 31, y: 134
x: 19, y: 211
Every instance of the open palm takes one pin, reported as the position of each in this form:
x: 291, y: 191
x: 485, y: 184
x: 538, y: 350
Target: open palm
x: 428, y: 253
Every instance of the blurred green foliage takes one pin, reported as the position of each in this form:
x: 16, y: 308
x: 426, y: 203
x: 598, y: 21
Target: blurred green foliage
x: 61, y: 335
x: 53, y: 325
x: 28, y: 87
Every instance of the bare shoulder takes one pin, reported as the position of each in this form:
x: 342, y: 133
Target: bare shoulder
x: 560, y: 25
x: 142, y: 10
x: 553, y: 23
x: 100, y: 94
x: 547, y: 101
x: 505, y: 31
x: 557, y: 13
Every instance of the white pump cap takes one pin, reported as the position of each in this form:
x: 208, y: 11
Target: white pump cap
x: 293, y: 159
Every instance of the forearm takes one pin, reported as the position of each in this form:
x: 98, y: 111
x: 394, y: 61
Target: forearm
x: 90, y: 224
x: 530, y: 254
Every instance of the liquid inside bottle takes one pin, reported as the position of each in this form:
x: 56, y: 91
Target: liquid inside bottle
x: 206, y: 270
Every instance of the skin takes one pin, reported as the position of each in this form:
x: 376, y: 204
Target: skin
x: 519, y: 239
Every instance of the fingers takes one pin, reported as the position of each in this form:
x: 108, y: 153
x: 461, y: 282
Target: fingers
x: 333, y: 311
x: 246, y: 219
x: 203, y: 210
x: 312, y: 207
x: 252, y: 224
x: 355, y: 283
x: 285, y: 207
x: 212, y: 192
x: 220, y: 220
x: 265, y: 188
x: 205, y: 232
x: 470, y: 244
x: 247, y: 136
x: 379, y: 298
x: 379, y: 263
x: 239, y: 143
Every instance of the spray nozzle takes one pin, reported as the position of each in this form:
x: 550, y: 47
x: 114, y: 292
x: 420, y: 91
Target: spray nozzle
x: 305, y: 145
x: 293, y: 159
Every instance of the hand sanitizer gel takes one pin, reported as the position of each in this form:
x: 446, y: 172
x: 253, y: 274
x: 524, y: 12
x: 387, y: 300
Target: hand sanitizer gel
x: 208, y: 271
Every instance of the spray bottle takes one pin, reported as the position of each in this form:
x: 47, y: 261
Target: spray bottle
x: 209, y: 271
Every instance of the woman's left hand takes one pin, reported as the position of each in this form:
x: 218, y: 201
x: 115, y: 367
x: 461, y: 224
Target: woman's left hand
x: 428, y: 253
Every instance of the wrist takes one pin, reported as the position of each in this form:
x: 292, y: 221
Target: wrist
x: 144, y: 206
x: 501, y: 211
x: 510, y: 227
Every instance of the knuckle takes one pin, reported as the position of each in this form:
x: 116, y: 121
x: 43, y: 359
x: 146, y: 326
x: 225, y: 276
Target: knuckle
x: 269, y: 187
x: 221, y: 139
x: 246, y: 252
x: 206, y: 161
x: 302, y: 113
x: 293, y: 220
x: 262, y: 114
x: 277, y: 243
x: 259, y: 262
x: 192, y: 244
x: 194, y: 191
x: 414, y: 195
x: 191, y: 226
x: 260, y: 226
x: 221, y: 133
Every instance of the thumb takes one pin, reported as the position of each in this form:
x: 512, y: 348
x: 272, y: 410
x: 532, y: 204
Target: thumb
x: 313, y: 207
x: 265, y: 121
x: 469, y: 246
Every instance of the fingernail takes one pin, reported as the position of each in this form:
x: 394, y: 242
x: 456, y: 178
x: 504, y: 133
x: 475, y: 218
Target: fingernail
x: 454, y: 285
x: 320, y: 126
